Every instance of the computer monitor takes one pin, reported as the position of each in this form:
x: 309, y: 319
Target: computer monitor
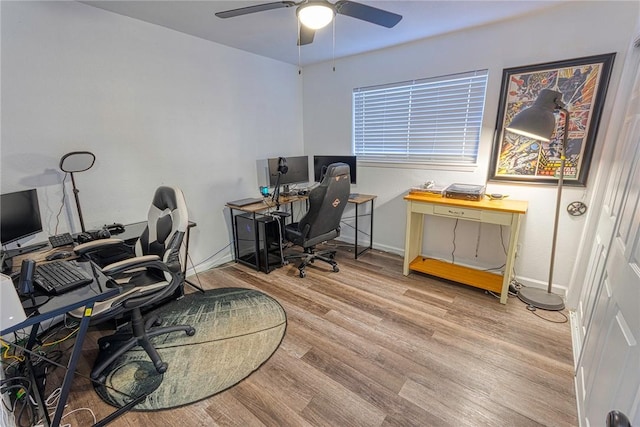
x: 320, y: 164
x: 297, y: 173
x: 19, y: 215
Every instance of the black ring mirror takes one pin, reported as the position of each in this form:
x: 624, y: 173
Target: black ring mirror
x: 77, y: 161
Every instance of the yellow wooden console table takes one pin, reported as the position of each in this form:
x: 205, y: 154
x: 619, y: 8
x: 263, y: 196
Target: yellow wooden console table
x: 503, y: 212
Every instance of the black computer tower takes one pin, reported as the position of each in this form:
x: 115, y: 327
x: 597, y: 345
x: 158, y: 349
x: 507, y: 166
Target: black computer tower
x: 258, y: 241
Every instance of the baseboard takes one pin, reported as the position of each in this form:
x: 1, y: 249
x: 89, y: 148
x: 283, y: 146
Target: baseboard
x: 576, y: 343
x: 209, y: 265
x: 363, y: 244
x: 576, y: 340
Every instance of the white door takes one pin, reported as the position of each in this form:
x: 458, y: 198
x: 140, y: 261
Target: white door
x: 608, y: 369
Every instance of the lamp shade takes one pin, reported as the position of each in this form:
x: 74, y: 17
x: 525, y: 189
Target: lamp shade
x: 315, y: 15
x: 538, y: 121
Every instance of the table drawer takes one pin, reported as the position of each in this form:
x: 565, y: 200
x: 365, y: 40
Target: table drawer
x: 456, y: 212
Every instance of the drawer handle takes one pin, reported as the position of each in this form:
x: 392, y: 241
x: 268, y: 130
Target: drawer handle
x: 459, y: 213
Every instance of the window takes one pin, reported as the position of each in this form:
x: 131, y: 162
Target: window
x: 435, y: 120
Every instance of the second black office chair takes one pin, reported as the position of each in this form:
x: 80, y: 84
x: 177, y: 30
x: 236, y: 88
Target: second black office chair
x: 322, y: 220
x: 152, y: 274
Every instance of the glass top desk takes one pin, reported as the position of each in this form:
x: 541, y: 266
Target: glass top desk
x: 85, y: 297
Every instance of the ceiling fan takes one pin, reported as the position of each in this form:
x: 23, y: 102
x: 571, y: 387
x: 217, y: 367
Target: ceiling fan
x: 315, y: 14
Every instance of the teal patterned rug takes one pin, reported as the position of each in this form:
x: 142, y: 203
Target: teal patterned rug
x: 237, y: 330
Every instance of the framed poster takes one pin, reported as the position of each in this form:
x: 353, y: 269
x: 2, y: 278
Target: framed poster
x: 583, y: 83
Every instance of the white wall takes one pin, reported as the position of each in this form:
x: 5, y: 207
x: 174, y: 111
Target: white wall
x: 154, y: 105
x: 567, y: 31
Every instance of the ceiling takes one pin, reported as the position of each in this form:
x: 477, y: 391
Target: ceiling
x: 273, y: 33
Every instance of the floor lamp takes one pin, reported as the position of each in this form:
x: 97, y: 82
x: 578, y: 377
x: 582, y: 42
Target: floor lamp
x: 77, y: 161
x: 539, y: 122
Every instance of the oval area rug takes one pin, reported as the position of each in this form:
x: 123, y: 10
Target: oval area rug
x: 237, y: 330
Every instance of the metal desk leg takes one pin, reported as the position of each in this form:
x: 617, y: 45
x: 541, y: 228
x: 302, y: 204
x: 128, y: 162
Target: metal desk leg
x: 371, y: 227
x: 186, y: 258
x: 370, y: 232
x: 37, y: 391
x: 71, y: 366
x: 355, y: 248
x: 235, y: 236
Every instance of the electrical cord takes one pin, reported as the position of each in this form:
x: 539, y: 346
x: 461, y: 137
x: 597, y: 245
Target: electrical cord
x: 515, y: 285
x: 64, y: 179
x: 55, y: 363
x: 534, y: 310
x: 6, y: 355
x: 53, y: 398
x: 22, y: 396
x: 210, y: 257
x: 453, y: 256
x: 504, y: 248
x: 49, y: 344
x: 95, y: 420
x: 453, y: 252
x: 496, y: 296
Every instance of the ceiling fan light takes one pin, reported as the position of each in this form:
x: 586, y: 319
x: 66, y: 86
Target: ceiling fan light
x: 315, y: 16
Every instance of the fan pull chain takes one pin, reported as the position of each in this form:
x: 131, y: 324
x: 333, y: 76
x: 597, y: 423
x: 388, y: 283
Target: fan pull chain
x: 333, y: 53
x: 298, y: 37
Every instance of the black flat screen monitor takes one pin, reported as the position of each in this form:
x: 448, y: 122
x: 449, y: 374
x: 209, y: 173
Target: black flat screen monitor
x: 297, y: 173
x: 320, y: 164
x: 19, y: 215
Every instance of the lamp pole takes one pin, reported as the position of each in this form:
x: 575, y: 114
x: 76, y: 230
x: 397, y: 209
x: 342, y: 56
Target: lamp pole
x: 563, y: 158
x: 75, y: 194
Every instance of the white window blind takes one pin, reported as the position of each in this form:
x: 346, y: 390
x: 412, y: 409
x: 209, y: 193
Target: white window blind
x: 435, y: 120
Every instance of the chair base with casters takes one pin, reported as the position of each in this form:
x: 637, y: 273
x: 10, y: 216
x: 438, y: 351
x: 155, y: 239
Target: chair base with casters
x: 113, y: 346
x: 310, y: 255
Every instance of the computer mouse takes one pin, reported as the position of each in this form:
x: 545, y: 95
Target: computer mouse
x: 59, y: 255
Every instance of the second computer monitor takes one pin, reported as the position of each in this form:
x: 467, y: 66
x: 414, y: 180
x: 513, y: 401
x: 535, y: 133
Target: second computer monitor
x: 297, y: 170
x: 320, y: 164
x: 19, y: 215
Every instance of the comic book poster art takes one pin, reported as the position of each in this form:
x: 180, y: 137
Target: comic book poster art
x: 583, y: 83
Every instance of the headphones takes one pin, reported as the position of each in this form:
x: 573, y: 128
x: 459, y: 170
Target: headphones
x: 91, y: 235
x: 282, y: 166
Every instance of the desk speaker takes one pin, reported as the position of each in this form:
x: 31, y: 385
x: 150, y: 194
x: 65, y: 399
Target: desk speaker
x: 25, y: 285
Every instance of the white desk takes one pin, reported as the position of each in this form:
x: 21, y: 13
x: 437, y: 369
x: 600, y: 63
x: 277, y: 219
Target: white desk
x: 502, y: 212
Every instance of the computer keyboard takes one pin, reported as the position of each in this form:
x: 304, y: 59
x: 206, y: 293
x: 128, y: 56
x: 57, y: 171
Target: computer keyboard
x: 58, y: 240
x: 59, y: 277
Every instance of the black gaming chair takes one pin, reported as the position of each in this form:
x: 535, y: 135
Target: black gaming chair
x: 322, y: 221
x: 152, y: 274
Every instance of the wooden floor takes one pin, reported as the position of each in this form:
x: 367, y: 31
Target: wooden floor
x: 370, y: 347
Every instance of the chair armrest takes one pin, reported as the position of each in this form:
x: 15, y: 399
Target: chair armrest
x: 97, y: 245
x: 134, y: 263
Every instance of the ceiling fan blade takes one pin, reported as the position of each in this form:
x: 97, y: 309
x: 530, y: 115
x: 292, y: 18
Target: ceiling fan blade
x: 306, y: 35
x: 252, y: 9
x: 367, y: 13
